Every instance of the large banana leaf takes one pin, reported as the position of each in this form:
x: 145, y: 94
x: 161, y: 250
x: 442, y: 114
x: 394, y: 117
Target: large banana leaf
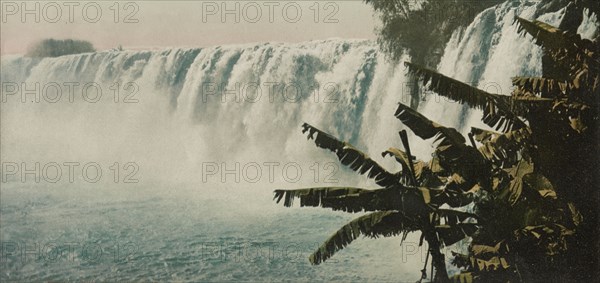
x: 555, y: 40
x: 454, y: 155
x: 426, y: 173
x: 451, y: 144
x: 542, y: 87
x: 352, y: 157
x: 578, y: 56
x: 547, y: 93
x: 410, y: 201
x: 383, y: 223
x: 392, y: 223
x: 496, y: 108
x: 345, y: 199
x: 313, y: 196
x: 426, y: 129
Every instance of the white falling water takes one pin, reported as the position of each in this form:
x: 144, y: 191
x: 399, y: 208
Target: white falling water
x: 214, y: 105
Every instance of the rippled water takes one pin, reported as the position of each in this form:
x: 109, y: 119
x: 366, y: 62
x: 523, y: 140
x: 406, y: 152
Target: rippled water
x: 167, y: 233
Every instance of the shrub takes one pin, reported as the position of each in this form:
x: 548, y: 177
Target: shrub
x: 56, y: 47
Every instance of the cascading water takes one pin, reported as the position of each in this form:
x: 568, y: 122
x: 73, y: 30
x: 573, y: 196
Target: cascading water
x: 487, y: 54
x: 172, y: 112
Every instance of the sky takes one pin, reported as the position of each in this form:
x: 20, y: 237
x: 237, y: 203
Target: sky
x: 143, y: 24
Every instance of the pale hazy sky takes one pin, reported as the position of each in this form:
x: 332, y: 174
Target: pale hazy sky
x: 181, y: 23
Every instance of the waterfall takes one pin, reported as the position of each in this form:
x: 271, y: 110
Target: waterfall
x: 172, y: 111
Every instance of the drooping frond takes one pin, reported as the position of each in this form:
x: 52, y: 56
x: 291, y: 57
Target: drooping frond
x: 541, y: 87
x: 451, y: 88
x: 554, y: 40
x: 574, y: 102
x: 313, y: 196
x: 383, y: 223
x: 426, y: 173
x: 536, y: 92
x: 411, y: 201
x: 453, y: 154
x: 426, y: 129
x: 497, y: 110
x: 342, y: 198
x: 352, y: 157
x: 579, y: 56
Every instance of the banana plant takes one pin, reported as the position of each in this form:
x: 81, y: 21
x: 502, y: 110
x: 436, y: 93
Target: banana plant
x: 400, y: 206
x: 524, y: 192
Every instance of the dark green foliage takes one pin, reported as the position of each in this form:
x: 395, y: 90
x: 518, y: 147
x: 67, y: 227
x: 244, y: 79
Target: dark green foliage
x: 533, y: 187
x: 56, y: 47
x: 542, y: 193
x: 350, y: 156
x: 423, y: 31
